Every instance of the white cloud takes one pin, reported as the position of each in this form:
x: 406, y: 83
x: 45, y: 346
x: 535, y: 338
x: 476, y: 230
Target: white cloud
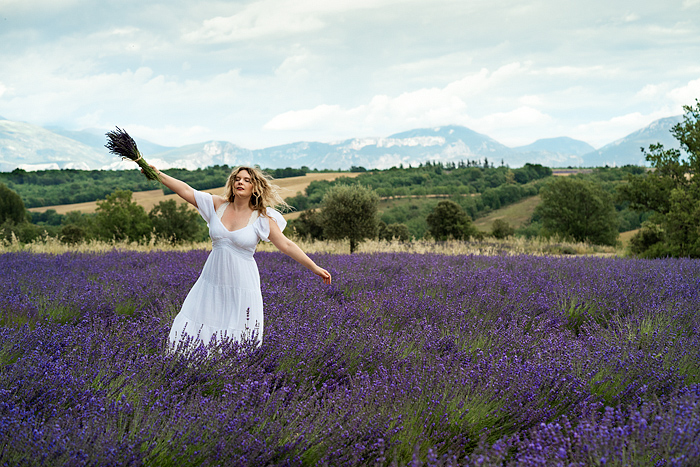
x: 296, y: 66
x: 257, y: 20
x: 431, y: 64
x: 268, y: 18
x: 512, y: 128
x: 170, y: 134
x: 421, y: 108
x: 516, y: 118
x: 685, y: 95
x: 530, y: 101
x: 425, y: 107
x: 650, y: 91
x: 576, y: 71
x: 13, y: 6
x: 3, y: 88
x: 157, y: 103
x: 474, y: 84
x: 320, y: 116
x: 599, y: 133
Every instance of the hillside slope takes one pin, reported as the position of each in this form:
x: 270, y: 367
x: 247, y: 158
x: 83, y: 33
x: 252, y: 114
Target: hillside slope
x: 150, y: 198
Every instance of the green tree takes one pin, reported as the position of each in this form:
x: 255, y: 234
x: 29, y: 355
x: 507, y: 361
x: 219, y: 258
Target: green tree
x: 308, y: 225
x: 350, y: 211
x: 649, y: 238
x: 578, y: 209
x: 86, y: 222
x: 672, y: 191
x: 11, y: 206
x: 449, y: 220
x: 120, y: 218
x: 175, y: 221
x: 72, y: 233
x: 501, y: 229
x: 25, y: 231
x: 393, y: 231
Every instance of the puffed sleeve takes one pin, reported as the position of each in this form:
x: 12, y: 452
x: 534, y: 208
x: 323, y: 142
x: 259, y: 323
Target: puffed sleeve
x: 262, y: 224
x: 205, y: 204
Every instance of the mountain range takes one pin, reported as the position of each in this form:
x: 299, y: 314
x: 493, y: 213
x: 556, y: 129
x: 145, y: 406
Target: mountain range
x: 31, y: 147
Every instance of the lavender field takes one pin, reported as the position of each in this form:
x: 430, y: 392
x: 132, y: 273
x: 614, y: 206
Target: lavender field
x: 406, y: 359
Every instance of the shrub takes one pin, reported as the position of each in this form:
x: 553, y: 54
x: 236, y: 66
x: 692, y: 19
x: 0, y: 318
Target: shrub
x: 501, y: 229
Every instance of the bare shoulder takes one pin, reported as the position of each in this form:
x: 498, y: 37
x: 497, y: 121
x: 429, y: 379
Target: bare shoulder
x: 218, y: 200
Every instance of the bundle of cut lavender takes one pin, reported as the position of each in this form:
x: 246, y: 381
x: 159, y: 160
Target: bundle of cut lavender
x: 121, y: 144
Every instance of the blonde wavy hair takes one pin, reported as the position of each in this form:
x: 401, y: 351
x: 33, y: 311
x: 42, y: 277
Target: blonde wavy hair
x: 265, y: 193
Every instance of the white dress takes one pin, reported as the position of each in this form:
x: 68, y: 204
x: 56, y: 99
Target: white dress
x: 226, y: 299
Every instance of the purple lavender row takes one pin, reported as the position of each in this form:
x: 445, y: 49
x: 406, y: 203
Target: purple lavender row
x: 405, y: 360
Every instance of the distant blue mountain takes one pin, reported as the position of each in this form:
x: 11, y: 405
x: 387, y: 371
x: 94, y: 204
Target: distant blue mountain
x: 556, y: 152
x: 95, y: 138
x: 33, y: 148
x: 627, y: 150
x: 561, y: 145
x: 445, y: 144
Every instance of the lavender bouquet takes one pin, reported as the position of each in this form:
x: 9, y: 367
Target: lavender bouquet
x: 121, y: 144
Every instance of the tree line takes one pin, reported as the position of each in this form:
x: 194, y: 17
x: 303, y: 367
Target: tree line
x: 71, y: 186
x: 117, y: 217
x: 500, y: 187
x: 431, y: 178
x: 350, y: 211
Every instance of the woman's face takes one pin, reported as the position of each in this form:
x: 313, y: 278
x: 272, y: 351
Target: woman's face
x: 243, y: 184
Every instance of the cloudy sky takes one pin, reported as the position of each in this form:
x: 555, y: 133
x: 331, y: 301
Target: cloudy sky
x: 260, y: 73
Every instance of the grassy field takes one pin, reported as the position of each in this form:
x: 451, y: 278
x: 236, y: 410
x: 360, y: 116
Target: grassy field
x: 488, y: 247
x: 626, y: 236
x: 567, y: 172
x: 515, y: 214
x: 290, y: 187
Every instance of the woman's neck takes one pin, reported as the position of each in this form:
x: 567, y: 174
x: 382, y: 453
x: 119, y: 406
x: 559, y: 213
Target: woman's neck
x: 241, y: 204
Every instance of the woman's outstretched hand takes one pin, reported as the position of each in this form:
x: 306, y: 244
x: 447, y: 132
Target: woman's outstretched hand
x: 153, y: 167
x: 323, y: 274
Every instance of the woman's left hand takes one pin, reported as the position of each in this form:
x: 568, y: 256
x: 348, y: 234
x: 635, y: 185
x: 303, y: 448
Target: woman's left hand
x: 323, y: 274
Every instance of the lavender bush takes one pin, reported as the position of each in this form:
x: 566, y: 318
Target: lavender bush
x: 406, y: 360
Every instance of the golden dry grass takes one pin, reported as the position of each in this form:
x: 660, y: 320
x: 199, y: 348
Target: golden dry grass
x: 290, y: 187
x: 516, y: 214
x: 626, y: 236
x: 52, y: 245
x: 510, y: 246
x: 488, y: 247
x: 567, y: 172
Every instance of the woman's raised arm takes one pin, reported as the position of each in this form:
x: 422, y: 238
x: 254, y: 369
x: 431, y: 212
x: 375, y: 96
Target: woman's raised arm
x: 182, y: 189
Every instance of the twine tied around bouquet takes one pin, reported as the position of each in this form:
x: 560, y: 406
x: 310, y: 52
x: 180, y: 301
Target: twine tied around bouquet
x: 125, y: 158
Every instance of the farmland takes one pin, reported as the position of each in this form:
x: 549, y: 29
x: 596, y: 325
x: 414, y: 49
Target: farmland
x: 147, y: 199
x: 406, y: 359
x: 516, y: 214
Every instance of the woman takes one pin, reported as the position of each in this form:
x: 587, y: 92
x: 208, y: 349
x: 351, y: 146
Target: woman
x: 226, y: 299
